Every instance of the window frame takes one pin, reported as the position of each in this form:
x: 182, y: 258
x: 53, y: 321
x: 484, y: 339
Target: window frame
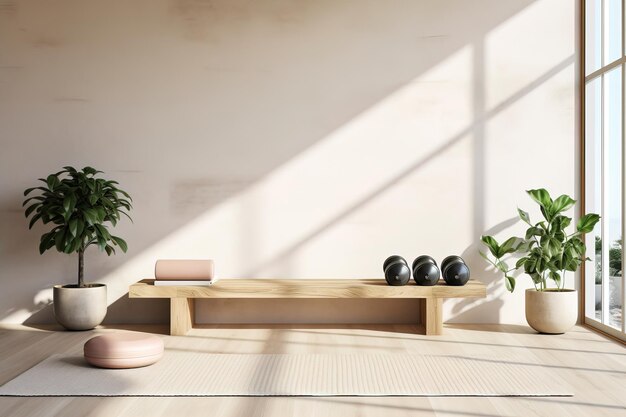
x: 585, y: 79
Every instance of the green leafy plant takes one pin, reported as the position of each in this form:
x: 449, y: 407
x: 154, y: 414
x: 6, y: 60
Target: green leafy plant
x: 615, y: 259
x: 547, y: 251
x: 78, y: 205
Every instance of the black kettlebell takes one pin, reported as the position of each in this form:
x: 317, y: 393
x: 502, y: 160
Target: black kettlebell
x: 455, y: 271
x: 396, y: 270
x: 425, y: 270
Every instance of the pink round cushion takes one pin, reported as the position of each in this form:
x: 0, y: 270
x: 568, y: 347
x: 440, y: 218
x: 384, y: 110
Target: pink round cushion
x: 123, y: 350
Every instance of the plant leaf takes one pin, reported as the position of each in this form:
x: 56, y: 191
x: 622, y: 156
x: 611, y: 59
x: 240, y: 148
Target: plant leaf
x: 562, y: 203
x: 101, y: 212
x: 91, y: 215
x: 101, y: 242
x: 31, y: 208
x: 509, y: 281
x: 524, y: 216
x: 76, y: 244
x: 492, y: 244
x: 73, y: 227
x: 47, y: 241
x: 34, y: 219
x: 530, y: 264
x: 534, y: 231
x: 121, y: 243
x: 551, y: 245
x: 37, y: 197
x: 502, y: 266
x: 559, y: 223
x: 587, y: 222
x: 556, y: 277
x: 90, y: 171
x: 102, y: 231
x: 80, y: 226
x: 52, y: 181
x: 526, y: 246
x: 509, y: 246
x: 59, y: 239
x: 536, y: 277
x: 69, y: 203
x: 541, y: 196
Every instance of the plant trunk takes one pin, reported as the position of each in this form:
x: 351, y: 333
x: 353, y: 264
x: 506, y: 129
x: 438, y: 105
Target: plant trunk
x: 81, y: 267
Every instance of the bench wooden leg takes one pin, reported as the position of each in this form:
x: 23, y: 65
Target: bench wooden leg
x: 181, y: 315
x: 431, y: 315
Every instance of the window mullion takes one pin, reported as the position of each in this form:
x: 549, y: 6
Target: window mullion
x: 604, y: 201
x: 623, y: 202
x: 603, y: 39
x: 623, y: 166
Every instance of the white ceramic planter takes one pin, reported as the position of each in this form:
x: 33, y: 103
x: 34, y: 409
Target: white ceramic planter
x: 551, y: 311
x: 77, y: 308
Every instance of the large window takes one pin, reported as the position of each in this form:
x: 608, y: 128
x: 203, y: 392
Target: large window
x: 604, y: 163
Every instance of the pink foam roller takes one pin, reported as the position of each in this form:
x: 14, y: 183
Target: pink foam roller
x: 184, y: 269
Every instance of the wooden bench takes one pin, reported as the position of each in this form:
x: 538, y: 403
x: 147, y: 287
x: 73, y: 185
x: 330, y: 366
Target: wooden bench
x: 182, y: 297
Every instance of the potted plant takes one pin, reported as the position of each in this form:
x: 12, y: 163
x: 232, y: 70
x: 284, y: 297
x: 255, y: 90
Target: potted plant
x: 546, y: 252
x: 79, y: 206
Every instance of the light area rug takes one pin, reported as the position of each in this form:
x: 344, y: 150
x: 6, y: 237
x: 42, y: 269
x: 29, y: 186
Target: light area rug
x: 184, y: 373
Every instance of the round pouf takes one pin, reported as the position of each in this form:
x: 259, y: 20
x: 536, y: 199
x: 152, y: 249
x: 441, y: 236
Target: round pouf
x: 123, y: 350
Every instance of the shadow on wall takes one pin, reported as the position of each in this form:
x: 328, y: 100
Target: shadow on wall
x: 467, y: 309
x: 265, y: 135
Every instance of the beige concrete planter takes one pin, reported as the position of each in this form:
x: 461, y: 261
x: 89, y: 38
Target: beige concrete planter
x: 78, y: 308
x: 551, y: 311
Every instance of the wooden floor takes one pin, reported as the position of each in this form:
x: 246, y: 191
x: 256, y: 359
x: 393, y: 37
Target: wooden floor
x: 593, y: 367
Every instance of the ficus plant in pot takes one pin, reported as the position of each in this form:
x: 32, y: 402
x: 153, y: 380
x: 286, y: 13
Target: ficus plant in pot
x: 79, y: 207
x: 545, y: 254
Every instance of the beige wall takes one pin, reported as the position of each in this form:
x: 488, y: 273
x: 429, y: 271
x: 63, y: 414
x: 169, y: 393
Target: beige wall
x: 285, y: 138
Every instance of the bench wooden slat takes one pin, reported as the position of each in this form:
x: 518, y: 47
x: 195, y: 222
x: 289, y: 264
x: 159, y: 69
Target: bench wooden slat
x: 305, y: 288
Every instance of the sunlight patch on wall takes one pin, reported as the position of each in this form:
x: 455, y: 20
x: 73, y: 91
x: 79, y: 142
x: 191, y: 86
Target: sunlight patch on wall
x: 347, y: 177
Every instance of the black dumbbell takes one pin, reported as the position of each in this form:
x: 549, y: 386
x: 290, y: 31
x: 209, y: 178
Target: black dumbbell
x: 455, y: 271
x: 396, y: 270
x: 425, y: 270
